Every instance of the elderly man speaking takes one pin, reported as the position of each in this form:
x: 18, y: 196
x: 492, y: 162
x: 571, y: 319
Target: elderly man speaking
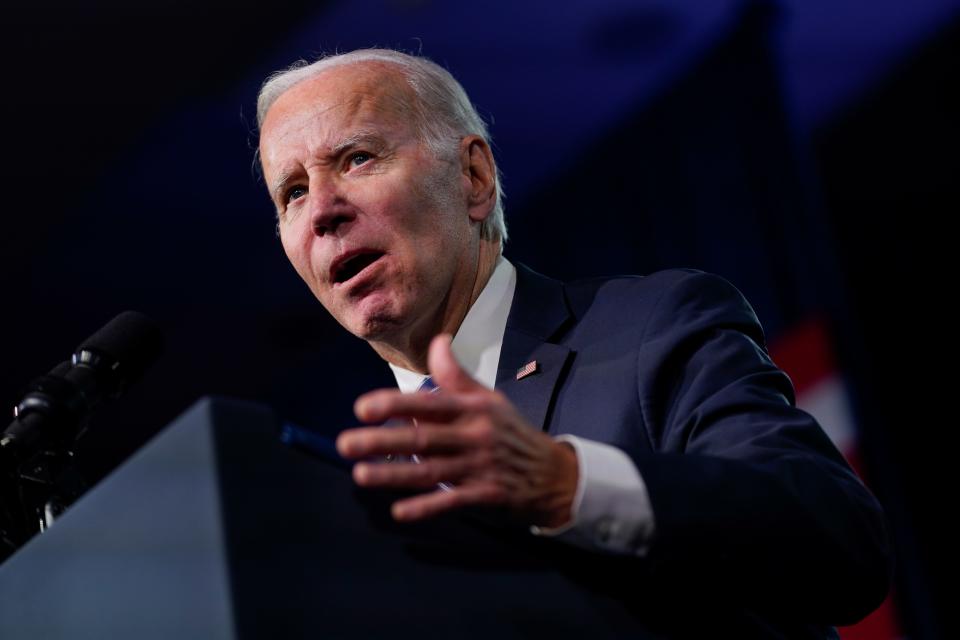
x: 633, y: 415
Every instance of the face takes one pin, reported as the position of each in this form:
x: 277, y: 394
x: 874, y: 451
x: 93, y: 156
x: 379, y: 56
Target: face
x: 378, y: 228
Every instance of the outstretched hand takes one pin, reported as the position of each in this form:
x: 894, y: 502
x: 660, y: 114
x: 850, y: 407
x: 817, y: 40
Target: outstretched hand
x: 468, y: 436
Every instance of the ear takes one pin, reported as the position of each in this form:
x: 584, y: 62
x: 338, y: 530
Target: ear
x: 479, y: 172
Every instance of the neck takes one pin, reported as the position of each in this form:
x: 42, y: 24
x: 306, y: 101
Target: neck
x: 411, y: 353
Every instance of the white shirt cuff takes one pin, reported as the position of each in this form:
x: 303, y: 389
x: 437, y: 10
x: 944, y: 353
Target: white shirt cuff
x: 611, y: 509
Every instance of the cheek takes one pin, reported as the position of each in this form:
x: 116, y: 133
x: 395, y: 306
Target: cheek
x: 297, y: 254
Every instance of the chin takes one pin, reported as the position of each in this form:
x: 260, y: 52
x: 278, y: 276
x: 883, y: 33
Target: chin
x: 373, y: 326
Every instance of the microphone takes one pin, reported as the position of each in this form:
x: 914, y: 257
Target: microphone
x: 55, y: 405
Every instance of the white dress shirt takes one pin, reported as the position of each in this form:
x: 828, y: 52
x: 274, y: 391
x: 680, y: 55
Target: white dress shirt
x: 611, y: 509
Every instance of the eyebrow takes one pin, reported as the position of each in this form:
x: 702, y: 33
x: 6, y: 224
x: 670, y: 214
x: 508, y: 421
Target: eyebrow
x: 368, y: 136
x: 281, y: 185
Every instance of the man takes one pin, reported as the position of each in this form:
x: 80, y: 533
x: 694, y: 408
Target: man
x: 636, y: 416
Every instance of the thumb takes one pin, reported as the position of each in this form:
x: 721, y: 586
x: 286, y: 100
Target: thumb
x: 444, y: 368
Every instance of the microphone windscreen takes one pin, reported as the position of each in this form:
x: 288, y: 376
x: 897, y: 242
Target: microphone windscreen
x: 131, y: 339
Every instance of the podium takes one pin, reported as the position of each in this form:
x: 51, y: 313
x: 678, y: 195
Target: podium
x: 216, y: 529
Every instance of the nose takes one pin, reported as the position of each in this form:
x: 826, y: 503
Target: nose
x: 330, y: 209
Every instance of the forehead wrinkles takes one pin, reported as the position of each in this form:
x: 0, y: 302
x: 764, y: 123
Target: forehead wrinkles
x: 322, y: 114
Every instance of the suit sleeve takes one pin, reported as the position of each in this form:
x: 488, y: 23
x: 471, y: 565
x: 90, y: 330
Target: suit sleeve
x: 749, y: 495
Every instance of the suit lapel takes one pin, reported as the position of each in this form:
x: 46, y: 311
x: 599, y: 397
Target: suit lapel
x: 539, y: 310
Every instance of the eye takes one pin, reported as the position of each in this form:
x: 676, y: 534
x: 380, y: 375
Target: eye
x: 294, y: 193
x: 358, y: 158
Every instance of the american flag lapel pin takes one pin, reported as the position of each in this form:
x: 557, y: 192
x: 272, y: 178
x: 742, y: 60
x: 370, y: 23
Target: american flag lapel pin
x: 527, y: 369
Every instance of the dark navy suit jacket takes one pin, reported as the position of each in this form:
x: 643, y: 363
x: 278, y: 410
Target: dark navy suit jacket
x: 753, y: 504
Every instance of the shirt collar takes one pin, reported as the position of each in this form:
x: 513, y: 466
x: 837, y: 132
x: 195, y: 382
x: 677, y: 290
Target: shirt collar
x: 478, y: 342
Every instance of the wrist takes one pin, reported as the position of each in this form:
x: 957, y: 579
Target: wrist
x: 558, y: 507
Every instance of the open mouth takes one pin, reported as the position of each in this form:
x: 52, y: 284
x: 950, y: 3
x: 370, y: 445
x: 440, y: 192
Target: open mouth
x: 346, y: 269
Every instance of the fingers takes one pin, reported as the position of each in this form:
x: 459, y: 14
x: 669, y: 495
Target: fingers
x: 461, y: 392
x: 432, y: 504
x: 382, y: 404
x: 423, y: 475
x: 365, y: 442
x: 445, y: 370
x: 466, y: 434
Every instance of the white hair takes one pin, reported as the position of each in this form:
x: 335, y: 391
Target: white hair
x: 443, y: 113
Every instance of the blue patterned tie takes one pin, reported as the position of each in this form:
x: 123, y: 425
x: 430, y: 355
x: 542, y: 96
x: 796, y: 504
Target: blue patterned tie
x: 428, y: 385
